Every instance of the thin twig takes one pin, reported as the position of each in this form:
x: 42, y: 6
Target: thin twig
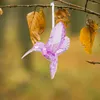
x: 31, y: 5
x: 86, y: 4
x: 79, y: 8
x: 95, y: 1
x: 93, y: 62
x: 69, y: 5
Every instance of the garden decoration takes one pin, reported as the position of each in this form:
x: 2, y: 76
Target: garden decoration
x: 57, y: 44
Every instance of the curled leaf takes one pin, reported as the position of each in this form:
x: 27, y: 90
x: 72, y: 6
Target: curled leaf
x: 87, y: 35
x: 1, y: 11
x: 61, y: 15
x: 36, y: 24
x: 93, y: 26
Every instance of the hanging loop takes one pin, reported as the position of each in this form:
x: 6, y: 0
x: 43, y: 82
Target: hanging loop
x: 53, y: 20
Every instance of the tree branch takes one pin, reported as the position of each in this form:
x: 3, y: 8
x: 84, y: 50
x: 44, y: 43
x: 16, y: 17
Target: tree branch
x: 86, y: 4
x: 79, y: 8
x: 68, y: 5
x: 95, y: 1
x: 93, y: 62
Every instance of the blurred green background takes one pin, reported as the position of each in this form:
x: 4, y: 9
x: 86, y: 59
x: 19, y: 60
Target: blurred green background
x: 29, y: 79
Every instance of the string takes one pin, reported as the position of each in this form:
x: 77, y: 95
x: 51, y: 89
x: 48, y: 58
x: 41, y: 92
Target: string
x: 53, y: 21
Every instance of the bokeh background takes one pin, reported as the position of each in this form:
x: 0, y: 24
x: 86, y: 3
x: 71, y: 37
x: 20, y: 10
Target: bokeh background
x: 29, y: 79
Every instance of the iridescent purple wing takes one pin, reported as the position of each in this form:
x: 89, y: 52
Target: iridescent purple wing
x: 56, y: 36
x: 64, y: 45
x: 37, y: 47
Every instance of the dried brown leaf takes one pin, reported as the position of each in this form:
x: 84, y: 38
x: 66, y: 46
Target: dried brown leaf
x: 87, y: 35
x: 62, y: 15
x: 1, y: 11
x: 36, y: 24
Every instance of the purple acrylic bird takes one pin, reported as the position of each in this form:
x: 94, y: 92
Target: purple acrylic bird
x: 58, y: 43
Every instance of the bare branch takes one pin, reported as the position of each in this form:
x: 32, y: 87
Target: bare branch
x: 68, y: 5
x: 86, y: 4
x: 93, y: 62
x: 95, y: 1
x: 79, y: 8
x: 31, y: 5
